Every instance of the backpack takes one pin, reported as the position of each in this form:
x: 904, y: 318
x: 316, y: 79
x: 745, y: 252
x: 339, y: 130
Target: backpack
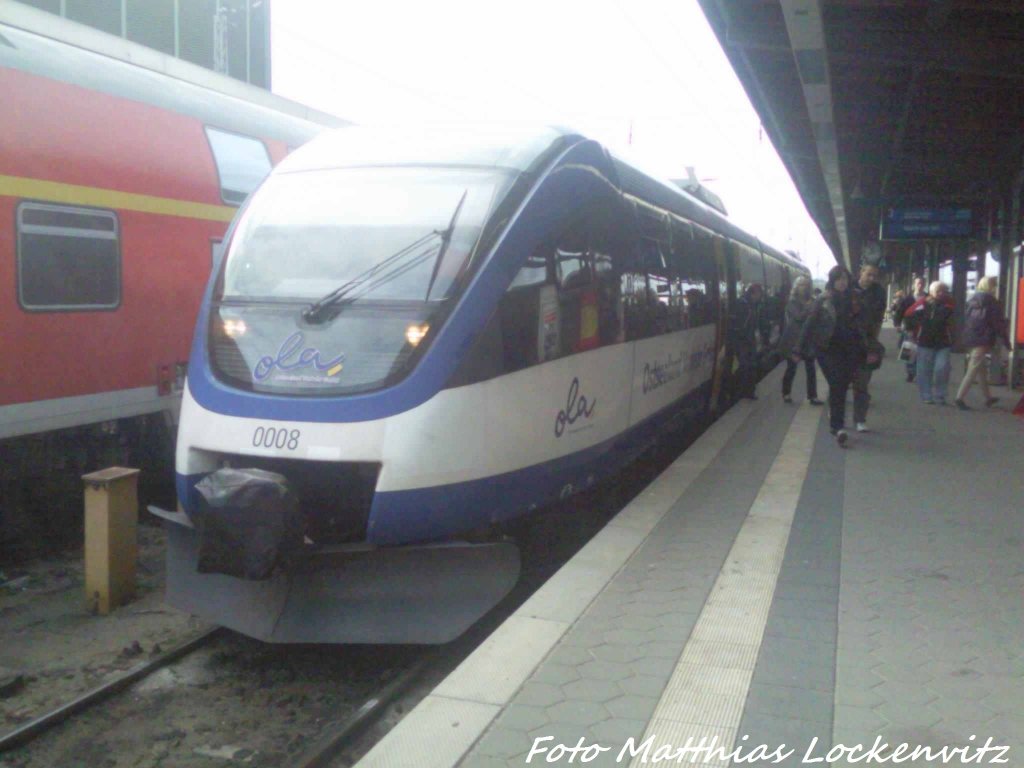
x: 976, y: 313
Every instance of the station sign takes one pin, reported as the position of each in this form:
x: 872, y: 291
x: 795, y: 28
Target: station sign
x: 926, y: 223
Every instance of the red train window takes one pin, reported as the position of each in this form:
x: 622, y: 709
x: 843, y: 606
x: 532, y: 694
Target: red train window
x: 68, y: 258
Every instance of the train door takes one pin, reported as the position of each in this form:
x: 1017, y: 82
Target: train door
x: 694, y: 249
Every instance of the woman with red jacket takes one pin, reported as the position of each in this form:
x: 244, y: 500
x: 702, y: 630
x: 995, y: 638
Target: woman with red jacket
x: 931, y: 318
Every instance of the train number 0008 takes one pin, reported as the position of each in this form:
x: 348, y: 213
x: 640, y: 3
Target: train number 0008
x: 272, y: 437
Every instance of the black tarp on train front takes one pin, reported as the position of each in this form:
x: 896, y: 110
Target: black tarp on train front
x: 247, y: 520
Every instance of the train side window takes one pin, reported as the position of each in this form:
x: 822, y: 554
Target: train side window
x: 696, y: 276
x: 68, y: 258
x: 751, y: 268
x: 575, y: 288
x: 609, y: 297
x: 650, y: 288
x: 634, y: 298
x: 588, y: 256
x: 529, y: 315
x: 775, y: 275
x: 565, y: 299
x: 242, y: 163
x: 536, y: 271
x: 645, y: 292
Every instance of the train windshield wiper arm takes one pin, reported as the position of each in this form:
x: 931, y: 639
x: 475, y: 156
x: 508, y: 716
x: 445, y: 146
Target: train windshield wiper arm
x: 317, y: 311
x: 446, y: 240
x: 386, y: 271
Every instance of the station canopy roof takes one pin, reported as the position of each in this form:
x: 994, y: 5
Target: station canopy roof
x: 880, y: 103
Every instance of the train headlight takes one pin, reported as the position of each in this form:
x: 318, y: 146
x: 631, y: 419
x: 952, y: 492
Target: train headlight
x: 414, y: 333
x: 234, y: 327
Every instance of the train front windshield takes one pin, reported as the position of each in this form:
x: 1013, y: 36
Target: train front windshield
x: 334, y: 278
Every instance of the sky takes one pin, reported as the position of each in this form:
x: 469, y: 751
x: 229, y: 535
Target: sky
x: 646, y: 78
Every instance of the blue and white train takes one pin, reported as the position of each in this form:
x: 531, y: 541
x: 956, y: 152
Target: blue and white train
x: 429, y: 334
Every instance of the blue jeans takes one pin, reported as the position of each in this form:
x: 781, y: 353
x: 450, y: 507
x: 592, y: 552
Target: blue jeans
x: 933, y: 373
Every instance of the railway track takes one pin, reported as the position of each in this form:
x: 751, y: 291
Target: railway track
x: 149, y: 706
x: 363, y: 682
x: 40, y: 725
x: 341, y: 737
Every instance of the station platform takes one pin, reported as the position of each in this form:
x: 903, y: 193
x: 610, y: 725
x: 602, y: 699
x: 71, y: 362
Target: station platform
x: 771, y: 588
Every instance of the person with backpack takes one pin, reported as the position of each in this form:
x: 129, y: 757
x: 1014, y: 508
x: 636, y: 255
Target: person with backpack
x: 932, y: 318
x: 984, y: 327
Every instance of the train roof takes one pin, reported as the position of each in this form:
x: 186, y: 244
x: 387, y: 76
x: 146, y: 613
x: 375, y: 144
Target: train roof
x: 49, y: 46
x: 512, y: 147
x: 668, y: 195
x: 790, y: 258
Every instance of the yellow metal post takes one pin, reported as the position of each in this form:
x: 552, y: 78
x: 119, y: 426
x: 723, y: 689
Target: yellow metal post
x: 111, y: 518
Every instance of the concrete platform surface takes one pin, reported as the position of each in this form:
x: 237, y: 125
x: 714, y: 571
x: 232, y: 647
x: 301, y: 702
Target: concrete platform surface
x: 772, y: 599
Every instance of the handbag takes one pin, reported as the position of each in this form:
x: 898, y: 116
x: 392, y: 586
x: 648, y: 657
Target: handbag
x: 908, y: 351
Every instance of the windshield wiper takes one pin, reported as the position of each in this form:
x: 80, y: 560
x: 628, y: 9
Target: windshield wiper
x: 446, y: 239
x: 317, y: 311
x: 375, y: 276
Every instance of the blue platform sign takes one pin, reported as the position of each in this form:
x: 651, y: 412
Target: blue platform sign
x: 926, y: 223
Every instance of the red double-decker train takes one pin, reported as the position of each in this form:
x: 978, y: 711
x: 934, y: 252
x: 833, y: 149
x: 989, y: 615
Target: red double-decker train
x: 117, y: 184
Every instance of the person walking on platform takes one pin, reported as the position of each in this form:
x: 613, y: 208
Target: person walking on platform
x: 745, y: 327
x: 932, y: 321
x: 905, y: 332
x: 833, y: 335
x: 870, y: 309
x: 984, y: 327
x: 798, y: 309
x: 894, y: 308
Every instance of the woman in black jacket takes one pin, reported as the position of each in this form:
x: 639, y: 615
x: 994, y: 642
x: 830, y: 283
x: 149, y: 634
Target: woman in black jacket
x: 798, y: 309
x: 984, y: 328
x: 833, y: 335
